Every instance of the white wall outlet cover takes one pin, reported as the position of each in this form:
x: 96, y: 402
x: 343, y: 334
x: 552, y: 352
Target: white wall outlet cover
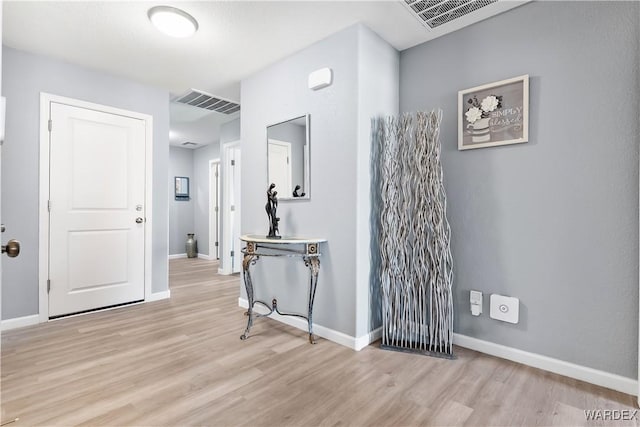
x: 504, y: 308
x: 475, y: 298
x: 320, y: 78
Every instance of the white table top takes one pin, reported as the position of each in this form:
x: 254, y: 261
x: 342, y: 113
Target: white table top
x: 285, y: 240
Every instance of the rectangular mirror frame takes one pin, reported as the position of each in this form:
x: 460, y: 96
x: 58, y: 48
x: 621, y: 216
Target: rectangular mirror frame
x: 306, y: 158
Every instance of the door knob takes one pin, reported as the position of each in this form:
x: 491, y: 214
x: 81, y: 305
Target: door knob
x: 2, y: 229
x: 139, y: 220
x: 12, y: 249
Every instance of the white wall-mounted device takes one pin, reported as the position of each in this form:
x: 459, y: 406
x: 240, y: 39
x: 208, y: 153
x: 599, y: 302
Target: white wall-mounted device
x: 504, y: 308
x: 320, y: 78
x: 475, y: 298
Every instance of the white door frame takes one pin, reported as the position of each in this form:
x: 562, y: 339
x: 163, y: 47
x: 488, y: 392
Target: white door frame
x: 43, y: 210
x: 212, y: 243
x: 226, y: 262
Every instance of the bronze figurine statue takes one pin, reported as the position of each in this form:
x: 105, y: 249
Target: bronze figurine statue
x: 295, y: 192
x: 271, y: 207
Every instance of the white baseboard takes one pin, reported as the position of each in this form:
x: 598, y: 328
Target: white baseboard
x: 207, y: 257
x: 364, y: 340
x: 177, y: 256
x: 571, y: 370
x: 319, y: 330
x: 157, y: 296
x: 20, y: 322
x: 225, y: 272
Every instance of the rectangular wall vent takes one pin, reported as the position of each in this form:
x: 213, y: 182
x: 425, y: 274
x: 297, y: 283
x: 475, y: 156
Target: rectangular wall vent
x: 437, y: 12
x: 197, y: 98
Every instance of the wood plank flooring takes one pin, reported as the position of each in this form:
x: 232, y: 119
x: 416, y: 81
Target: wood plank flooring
x: 181, y: 362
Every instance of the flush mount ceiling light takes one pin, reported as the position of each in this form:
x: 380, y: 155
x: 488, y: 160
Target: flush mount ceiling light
x: 172, y: 21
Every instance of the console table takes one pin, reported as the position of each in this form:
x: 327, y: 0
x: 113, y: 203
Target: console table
x: 259, y: 246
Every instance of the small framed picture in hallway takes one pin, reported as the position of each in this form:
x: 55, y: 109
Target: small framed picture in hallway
x: 494, y: 114
x: 182, y: 188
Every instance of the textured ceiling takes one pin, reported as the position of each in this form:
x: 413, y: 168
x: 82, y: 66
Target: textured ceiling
x: 235, y: 38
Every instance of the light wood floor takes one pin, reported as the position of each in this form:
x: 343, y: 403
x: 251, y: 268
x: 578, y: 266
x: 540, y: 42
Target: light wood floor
x: 181, y: 362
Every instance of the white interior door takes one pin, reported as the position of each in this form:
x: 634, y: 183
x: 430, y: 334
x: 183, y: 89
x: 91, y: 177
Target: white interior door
x: 214, y: 209
x: 97, y: 195
x: 279, y: 155
x: 235, y: 210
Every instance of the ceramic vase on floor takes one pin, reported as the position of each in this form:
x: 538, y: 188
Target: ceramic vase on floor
x: 191, y: 246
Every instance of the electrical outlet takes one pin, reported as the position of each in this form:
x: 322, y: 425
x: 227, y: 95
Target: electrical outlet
x: 475, y: 298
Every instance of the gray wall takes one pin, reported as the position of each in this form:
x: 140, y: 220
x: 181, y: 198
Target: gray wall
x: 24, y: 77
x: 378, y: 96
x: 336, y: 142
x: 2, y: 238
x: 230, y: 131
x: 554, y: 221
x: 201, y: 158
x: 180, y: 211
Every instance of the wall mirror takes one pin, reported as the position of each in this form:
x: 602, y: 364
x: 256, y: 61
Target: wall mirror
x: 288, y: 158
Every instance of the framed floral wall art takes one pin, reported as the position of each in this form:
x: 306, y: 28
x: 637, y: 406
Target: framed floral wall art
x: 494, y: 114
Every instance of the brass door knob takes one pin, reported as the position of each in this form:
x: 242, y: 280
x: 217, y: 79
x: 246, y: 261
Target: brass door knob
x: 12, y: 249
x: 139, y: 220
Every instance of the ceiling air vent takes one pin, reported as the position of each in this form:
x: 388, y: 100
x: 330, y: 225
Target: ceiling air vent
x: 189, y: 144
x: 197, y: 98
x: 434, y: 13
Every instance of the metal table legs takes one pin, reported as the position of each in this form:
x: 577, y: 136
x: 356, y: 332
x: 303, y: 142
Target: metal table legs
x: 312, y: 262
x: 314, y: 267
x: 247, y: 261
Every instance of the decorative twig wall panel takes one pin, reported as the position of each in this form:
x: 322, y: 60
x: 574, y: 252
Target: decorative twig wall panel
x: 415, y: 269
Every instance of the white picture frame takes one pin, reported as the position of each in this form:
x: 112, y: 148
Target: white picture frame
x: 494, y: 114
